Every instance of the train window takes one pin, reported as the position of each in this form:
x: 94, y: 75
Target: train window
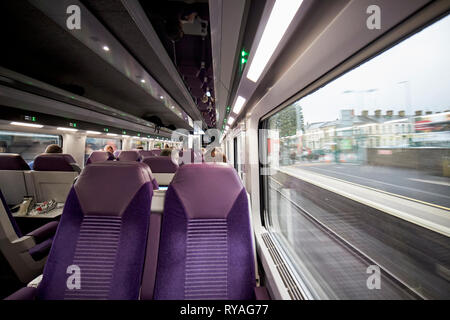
x: 94, y: 144
x: 137, y: 143
x: 356, y: 186
x: 28, y: 145
x: 158, y: 145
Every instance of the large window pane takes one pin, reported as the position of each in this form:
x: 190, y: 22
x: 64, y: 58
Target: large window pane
x: 28, y: 145
x: 359, y: 175
x: 137, y: 143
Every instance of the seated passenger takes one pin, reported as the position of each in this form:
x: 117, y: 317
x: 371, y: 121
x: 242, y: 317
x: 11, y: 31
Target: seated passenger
x: 109, y: 149
x: 166, y: 152
x: 140, y: 148
x: 52, y: 148
x: 216, y: 155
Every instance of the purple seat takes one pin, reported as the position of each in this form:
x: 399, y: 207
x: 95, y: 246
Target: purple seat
x: 26, y: 257
x: 12, y: 177
x: 12, y: 161
x: 146, y: 153
x: 161, y: 164
x: 156, y: 152
x: 130, y: 155
x: 206, y: 246
x: 99, y: 156
x: 54, y: 162
x: 103, y: 232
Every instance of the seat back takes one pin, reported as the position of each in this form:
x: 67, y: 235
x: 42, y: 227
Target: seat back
x: 102, y: 235
x: 16, y: 248
x: 12, y: 161
x: 7, y: 221
x: 54, y: 162
x: 130, y: 155
x: 98, y: 156
x: 146, y: 153
x: 163, y: 169
x: 12, y: 180
x: 156, y: 152
x: 52, y: 177
x: 206, y: 246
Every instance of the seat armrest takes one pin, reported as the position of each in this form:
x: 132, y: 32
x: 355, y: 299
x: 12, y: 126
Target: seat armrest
x: 261, y: 293
x: 45, y: 232
x: 155, y: 184
x: 26, y: 293
x: 23, y: 244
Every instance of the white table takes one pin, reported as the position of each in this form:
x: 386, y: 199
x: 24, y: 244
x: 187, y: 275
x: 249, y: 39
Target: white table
x: 49, y: 215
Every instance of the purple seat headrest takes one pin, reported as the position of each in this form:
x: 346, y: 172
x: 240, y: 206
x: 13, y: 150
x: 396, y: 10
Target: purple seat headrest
x: 146, y: 153
x: 98, y: 156
x: 129, y: 156
x: 54, y: 162
x: 107, y: 188
x: 156, y: 152
x: 161, y: 164
x: 207, y: 190
x: 12, y: 161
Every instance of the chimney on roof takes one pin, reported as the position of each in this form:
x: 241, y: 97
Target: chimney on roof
x: 428, y: 113
x: 401, y: 113
x: 390, y: 113
x: 365, y: 113
x: 418, y: 113
x: 378, y: 113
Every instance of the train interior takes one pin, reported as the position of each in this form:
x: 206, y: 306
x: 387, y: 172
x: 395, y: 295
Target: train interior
x: 225, y: 150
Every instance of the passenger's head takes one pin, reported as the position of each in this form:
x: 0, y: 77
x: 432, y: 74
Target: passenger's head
x: 140, y: 148
x: 216, y: 155
x: 166, y: 152
x: 109, y: 148
x: 166, y: 146
x: 53, y: 148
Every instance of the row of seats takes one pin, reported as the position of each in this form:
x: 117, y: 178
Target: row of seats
x: 163, y: 168
x: 143, y: 153
x: 53, y: 173
x: 110, y: 245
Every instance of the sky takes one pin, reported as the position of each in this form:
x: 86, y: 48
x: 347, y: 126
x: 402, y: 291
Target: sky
x: 413, y: 75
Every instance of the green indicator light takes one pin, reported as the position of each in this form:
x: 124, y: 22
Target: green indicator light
x: 33, y: 119
x: 72, y: 97
x: 106, y: 129
x: 139, y: 134
x: 74, y: 125
x: 244, y: 59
